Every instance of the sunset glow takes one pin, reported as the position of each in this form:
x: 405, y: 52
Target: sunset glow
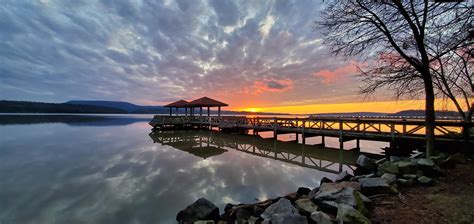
x: 383, y: 107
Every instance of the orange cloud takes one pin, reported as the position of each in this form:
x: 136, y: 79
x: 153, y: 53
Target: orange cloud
x: 272, y: 85
x: 330, y: 76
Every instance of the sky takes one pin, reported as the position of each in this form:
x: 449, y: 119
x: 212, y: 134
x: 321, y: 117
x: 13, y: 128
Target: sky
x: 249, y: 54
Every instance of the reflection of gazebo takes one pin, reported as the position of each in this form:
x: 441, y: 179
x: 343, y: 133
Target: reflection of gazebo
x: 199, y: 103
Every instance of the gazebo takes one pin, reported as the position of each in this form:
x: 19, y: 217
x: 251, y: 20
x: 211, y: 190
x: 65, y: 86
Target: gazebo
x: 206, y: 102
x: 178, y: 104
x: 199, y: 103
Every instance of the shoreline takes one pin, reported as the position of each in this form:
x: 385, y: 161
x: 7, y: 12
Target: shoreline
x: 379, y: 193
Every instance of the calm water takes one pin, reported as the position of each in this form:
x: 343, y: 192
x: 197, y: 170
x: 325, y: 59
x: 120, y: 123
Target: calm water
x: 113, y: 169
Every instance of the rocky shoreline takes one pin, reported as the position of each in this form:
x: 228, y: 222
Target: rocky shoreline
x: 347, y: 199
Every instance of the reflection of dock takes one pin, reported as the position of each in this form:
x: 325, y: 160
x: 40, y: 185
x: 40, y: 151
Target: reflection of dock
x: 214, y: 143
x: 396, y: 131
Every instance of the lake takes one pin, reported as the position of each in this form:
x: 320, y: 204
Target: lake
x: 114, y: 169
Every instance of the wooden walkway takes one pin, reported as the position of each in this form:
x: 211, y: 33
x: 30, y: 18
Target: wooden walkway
x: 394, y: 131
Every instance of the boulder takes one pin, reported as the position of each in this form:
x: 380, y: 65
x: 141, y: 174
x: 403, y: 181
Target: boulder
x: 425, y: 163
x: 371, y: 186
x: 407, y: 167
x: 320, y: 217
x: 387, y: 167
x: 329, y: 200
x: 348, y: 214
x: 285, y: 218
x: 281, y: 206
x: 395, y: 158
x: 305, y: 206
x: 355, y: 178
x: 338, y: 186
x: 410, y: 176
x: 366, y: 163
x: 204, y: 222
x: 202, y: 209
x: 325, y: 180
x: 313, y: 192
x: 406, y: 182
x: 243, y: 214
x: 303, y: 191
x: 389, y: 178
x: 292, y: 197
x: 343, y: 176
x: 425, y: 180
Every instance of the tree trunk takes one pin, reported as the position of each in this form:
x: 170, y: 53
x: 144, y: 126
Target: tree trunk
x: 429, y: 114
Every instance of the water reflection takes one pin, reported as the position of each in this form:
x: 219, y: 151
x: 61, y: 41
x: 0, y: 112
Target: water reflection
x: 62, y: 173
x: 209, y: 143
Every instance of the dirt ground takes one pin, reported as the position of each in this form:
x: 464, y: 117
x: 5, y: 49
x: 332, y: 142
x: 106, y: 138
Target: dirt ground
x: 450, y: 200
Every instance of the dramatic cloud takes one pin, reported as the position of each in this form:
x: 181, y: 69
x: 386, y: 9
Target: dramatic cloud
x: 272, y: 85
x: 157, y: 51
x: 330, y: 76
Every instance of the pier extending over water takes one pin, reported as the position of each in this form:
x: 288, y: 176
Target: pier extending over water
x: 398, y: 132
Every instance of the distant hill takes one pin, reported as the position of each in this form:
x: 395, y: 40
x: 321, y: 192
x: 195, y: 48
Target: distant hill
x: 421, y: 113
x: 137, y: 109
x: 368, y: 114
x: 37, y: 107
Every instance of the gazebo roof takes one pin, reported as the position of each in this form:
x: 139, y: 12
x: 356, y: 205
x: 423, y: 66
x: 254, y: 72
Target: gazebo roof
x: 179, y: 103
x: 206, y: 102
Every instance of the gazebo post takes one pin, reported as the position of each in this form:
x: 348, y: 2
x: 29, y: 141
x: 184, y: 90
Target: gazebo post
x: 177, y: 111
x: 185, y: 111
x: 171, y: 111
x: 200, y: 111
x: 219, y: 111
x: 208, y: 112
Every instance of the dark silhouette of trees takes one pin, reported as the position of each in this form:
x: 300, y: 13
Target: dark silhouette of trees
x: 400, y: 43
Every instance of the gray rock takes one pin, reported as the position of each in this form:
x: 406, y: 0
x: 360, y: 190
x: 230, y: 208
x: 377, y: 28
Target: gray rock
x: 407, y: 167
x: 285, y: 218
x: 329, y: 200
x: 321, y: 218
x: 426, y: 162
x: 389, y: 178
x: 348, y: 214
x: 313, y: 192
x: 371, y: 186
x: 395, y: 158
x: 282, y: 206
x: 387, y: 167
x: 366, y: 163
x: 410, y: 176
x: 243, y: 214
x: 405, y: 182
x: 305, y: 206
x: 338, y: 186
x: 343, y: 176
x: 355, y: 178
x: 204, y: 222
x: 202, y: 209
x: 425, y: 180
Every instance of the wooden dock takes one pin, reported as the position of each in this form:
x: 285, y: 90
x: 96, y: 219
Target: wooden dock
x: 398, y: 132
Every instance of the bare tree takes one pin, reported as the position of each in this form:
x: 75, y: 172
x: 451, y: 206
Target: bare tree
x: 396, y: 40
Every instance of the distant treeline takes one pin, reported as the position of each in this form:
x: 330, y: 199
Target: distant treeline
x: 97, y: 107
x: 35, y: 107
